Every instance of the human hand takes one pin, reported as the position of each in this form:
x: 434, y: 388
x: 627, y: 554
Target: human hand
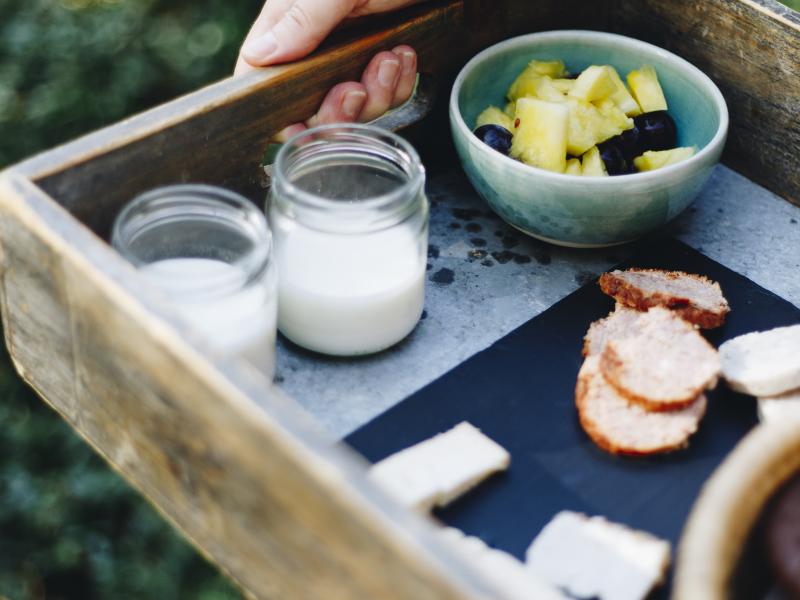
x: 298, y: 26
x: 287, y: 30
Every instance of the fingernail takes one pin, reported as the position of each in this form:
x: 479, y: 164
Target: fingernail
x: 407, y: 58
x: 353, y: 103
x: 387, y: 72
x: 260, y: 48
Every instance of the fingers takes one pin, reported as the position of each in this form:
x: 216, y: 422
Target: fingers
x: 300, y: 29
x: 380, y: 80
x: 271, y: 13
x: 353, y: 101
x: 378, y: 6
x: 343, y: 104
x: 408, y: 74
x: 290, y: 29
x: 290, y: 131
x: 389, y: 80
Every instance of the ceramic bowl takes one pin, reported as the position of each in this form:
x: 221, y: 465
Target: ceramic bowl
x: 587, y: 211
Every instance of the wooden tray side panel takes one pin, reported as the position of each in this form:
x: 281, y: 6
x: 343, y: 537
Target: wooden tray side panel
x: 43, y: 345
x: 287, y: 518
x: 751, y: 49
x: 218, y: 135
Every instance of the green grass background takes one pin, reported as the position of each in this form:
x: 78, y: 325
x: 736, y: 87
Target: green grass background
x: 70, y: 528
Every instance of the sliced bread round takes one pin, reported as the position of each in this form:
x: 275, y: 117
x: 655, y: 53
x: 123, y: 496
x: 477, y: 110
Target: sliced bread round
x: 695, y: 298
x: 664, y: 366
x: 765, y: 363
x: 620, y: 323
x: 621, y: 427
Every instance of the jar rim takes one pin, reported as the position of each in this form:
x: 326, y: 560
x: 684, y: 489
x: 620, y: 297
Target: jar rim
x: 252, y: 263
x: 398, y: 199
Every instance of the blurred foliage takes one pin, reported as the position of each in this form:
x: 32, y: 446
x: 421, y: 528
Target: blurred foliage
x: 70, y: 528
x: 70, y: 66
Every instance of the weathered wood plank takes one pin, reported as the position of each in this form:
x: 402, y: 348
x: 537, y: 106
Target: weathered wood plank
x: 751, y: 49
x: 218, y: 135
x: 266, y: 495
x: 37, y: 345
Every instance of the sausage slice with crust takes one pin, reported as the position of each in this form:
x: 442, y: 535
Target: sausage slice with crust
x: 665, y: 365
x: 619, y: 426
x: 695, y: 298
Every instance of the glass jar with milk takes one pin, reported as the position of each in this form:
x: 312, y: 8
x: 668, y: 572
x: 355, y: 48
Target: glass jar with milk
x: 350, y: 219
x: 210, y: 251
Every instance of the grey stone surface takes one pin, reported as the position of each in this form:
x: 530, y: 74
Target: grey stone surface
x: 486, y: 279
x: 748, y: 229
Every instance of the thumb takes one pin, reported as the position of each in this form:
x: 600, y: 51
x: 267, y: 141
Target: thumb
x: 298, y: 32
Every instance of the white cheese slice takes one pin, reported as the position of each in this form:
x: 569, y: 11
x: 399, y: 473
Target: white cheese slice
x: 765, y: 363
x: 500, y: 568
x: 437, y: 471
x: 592, y: 557
x: 779, y: 408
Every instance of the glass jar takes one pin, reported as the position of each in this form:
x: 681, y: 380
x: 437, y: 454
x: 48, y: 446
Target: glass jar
x: 210, y: 251
x: 350, y: 220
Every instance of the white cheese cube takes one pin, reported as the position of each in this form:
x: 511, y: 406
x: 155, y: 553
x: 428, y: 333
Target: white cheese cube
x: 439, y: 470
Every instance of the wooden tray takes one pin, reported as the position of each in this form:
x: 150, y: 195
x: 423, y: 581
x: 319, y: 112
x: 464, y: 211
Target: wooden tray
x: 230, y: 461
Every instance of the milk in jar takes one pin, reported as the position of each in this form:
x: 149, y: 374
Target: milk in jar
x: 209, y: 252
x: 350, y: 224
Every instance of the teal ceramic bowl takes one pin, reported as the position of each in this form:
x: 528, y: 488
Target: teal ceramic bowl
x: 587, y: 211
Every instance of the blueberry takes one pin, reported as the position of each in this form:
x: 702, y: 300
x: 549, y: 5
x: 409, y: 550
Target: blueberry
x: 617, y: 163
x: 496, y: 137
x: 629, y: 142
x: 657, y: 131
x: 619, y: 151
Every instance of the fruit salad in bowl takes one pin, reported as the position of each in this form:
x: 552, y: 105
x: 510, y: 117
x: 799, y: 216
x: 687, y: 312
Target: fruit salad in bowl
x: 584, y: 138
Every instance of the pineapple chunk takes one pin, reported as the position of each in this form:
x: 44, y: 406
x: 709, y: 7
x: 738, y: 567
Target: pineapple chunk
x: 583, y: 118
x: 589, y: 124
x: 614, y: 119
x: 510, y: 109
x: 495, y: 116
x: 593, y: 84
x: 646, y: 89
x: 592, y: 164
x: 656, y: 159
x: 622, y: 97
x: 544, y: 89
x: 573, y: 167
x: 541, y: 138
x: 564, y: 85
x: 536, y: 69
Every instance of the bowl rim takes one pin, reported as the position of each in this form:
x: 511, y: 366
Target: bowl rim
x: 581, y: 34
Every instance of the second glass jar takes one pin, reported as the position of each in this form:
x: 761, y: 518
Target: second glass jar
x: 350, y: 224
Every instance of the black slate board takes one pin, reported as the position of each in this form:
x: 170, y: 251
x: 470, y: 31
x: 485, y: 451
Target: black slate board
x: 520, y: 392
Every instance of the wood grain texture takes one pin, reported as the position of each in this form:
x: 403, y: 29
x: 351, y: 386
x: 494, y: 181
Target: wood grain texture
x: 263, y: 493
x: 218, y: 134
x: 751, y: 49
